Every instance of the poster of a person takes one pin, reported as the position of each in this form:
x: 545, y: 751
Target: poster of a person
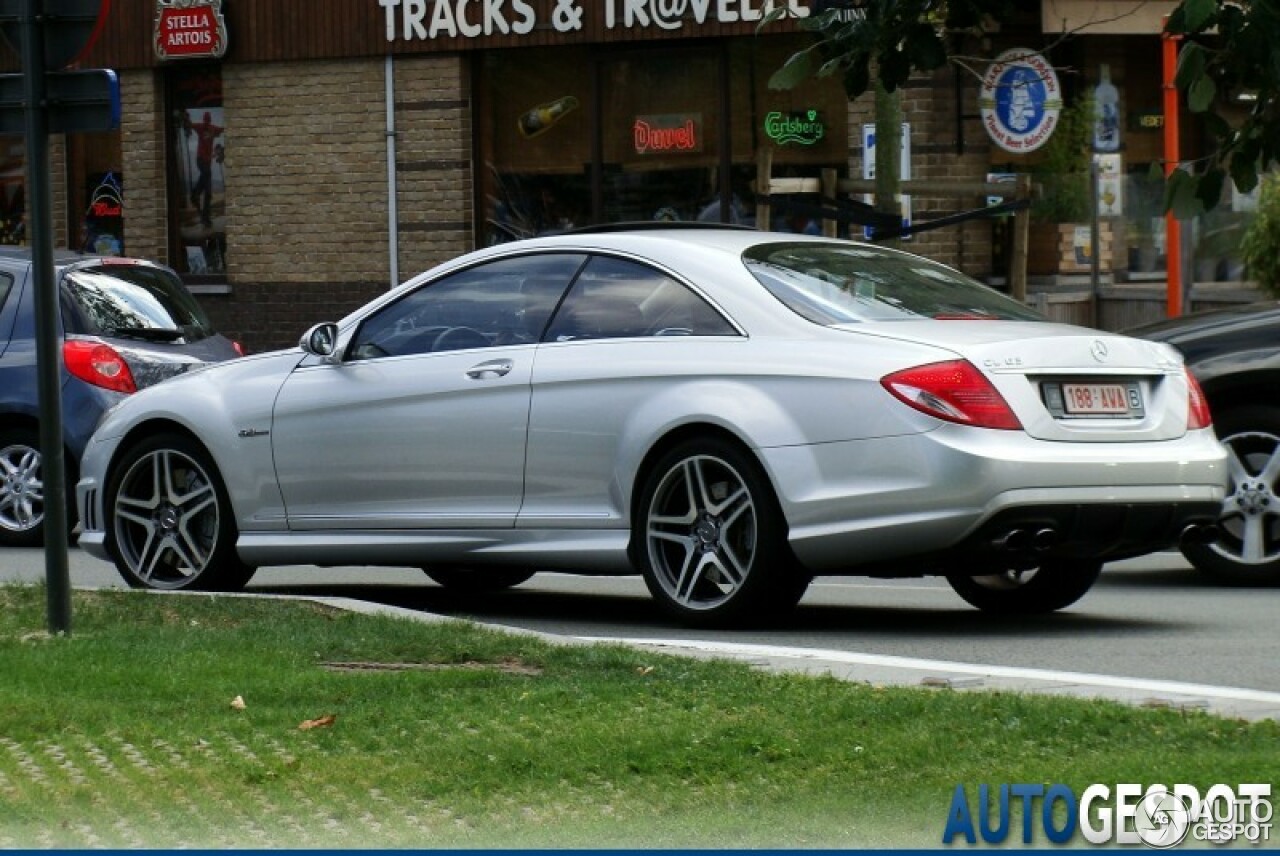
x: 203, y: 134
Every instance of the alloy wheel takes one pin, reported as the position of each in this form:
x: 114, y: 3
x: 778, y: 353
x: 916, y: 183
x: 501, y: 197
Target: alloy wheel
x: 1250, y: 522
x: 701, y: 532
x: 166, y: 519
x: 21, y: 488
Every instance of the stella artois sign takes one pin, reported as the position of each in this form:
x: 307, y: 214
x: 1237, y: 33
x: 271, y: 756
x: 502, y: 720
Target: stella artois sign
x: 190, y: 29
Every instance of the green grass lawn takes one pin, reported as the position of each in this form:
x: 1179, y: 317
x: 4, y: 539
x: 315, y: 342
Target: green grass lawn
x: 124, y: 734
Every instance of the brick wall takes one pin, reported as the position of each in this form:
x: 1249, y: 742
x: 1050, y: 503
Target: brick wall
x: 929, y: 104
x: 433, y: 160
x: 142, y: 141
x: 306, y: 196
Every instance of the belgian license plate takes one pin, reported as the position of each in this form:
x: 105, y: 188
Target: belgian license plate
x: 1100, y: 399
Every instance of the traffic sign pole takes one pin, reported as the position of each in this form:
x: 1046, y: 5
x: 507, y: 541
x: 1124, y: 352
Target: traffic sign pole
x: 48, y: 359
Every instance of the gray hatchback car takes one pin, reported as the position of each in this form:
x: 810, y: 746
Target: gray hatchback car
x: 124, y: 324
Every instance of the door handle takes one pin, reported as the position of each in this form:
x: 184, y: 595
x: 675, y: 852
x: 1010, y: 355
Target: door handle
x: 493, y: 368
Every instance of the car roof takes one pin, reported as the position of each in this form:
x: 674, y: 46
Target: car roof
x: 61, y: 256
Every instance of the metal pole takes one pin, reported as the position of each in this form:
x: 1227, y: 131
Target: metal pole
x: 48, y: 359
x: 1172, y: 154
x: 1095, y: 241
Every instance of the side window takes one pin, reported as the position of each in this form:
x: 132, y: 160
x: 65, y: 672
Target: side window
x: 8, y: 306
x: 616, y: 299
x: 506, y: 302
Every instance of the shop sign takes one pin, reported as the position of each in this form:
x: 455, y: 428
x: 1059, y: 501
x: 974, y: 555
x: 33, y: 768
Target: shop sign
x: 190, y: 29
x: 424, y: 20
x: 668, y: 132
x: 803, y: 129
x: 1020, y: 100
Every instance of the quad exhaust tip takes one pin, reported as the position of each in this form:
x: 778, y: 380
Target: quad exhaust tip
x: 1025, y: 541
x: 1198, y: 533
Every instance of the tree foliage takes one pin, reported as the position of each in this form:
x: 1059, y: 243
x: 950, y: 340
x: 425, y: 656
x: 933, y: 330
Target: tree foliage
x: 1230, y: 49
x: 893, y: 37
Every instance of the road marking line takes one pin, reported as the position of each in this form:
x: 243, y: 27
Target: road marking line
x: 1014, y: 672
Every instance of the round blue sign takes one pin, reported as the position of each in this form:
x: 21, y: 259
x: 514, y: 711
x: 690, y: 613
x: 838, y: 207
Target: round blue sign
x: 1020, y: 100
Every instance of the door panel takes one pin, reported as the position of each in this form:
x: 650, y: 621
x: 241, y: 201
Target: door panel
x: 432, y: 440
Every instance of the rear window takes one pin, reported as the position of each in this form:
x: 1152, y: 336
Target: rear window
x: 132, y: 301
x: 845, y: 284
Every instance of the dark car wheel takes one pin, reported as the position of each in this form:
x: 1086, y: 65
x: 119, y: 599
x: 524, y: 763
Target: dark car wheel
x: 713, y: 543
x: 1051, y: 586
x: 1247, y: 549
x: 478, y: 580
x: 169, y: 521
x: 22, y: 490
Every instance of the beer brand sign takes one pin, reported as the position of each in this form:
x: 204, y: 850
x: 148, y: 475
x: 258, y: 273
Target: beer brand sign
x: 190, y: 29
x: 667, y: 132
x: 802, y: 129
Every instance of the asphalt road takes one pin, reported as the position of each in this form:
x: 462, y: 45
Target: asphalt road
x: 1148, y: 622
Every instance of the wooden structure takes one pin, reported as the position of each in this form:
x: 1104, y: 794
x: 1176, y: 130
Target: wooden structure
x: 830, y: 187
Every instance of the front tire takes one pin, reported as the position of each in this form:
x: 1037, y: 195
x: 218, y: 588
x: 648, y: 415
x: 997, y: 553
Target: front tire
x: 711, y: 540
x: 1246, y: 550
x: 1054, y: 585
x: 169, y: 520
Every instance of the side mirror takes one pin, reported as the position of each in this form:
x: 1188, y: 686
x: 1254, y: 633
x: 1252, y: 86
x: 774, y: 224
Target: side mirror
x: 321, y: 340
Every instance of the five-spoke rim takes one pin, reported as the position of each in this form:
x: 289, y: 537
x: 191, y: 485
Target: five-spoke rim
x: 1250, y: 521
x: 701, y: 532
x: 166, y: 519
x: 21, y: 489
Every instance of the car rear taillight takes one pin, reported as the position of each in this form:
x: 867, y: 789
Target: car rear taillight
x: 955, y: 391
x: 239, y: 348
x: 98, y: 364
x: 1198, y: 415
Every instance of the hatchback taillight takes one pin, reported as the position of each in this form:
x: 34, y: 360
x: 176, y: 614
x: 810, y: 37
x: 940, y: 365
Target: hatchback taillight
x: 1198, y: 415
x: 955, y: 391
x: 98, y: 364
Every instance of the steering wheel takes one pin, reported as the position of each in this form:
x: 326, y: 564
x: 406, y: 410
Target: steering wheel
x: 458, y: 338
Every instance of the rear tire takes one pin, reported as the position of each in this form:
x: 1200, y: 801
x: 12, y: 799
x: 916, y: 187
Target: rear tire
x: 478, y: 580
x: 169, y: 520
x: 1053, y: 585
x: 711, y: 540
x: 1246, y: 550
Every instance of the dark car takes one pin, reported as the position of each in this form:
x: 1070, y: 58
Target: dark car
x: 1235, y: 354
x: 124, y: 324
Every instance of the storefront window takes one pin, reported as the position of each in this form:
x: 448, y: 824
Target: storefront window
x: 197, y: 187
x: 584, y: 135
x: 13, y: 183
x: 95, y: 193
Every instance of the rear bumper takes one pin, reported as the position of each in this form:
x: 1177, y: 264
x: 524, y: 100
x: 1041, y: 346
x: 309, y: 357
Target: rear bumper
x: 895, y: 504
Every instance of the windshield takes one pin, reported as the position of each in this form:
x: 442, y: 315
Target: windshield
x: 132, y: 301
x: 846, y: 284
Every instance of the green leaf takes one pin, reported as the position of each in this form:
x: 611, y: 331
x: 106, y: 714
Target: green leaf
x: 1201, y: 94
x: 925, y: 48
x: 1198, y: 13
x: 857, y: 78
x: 1209, y: 187
x: 797, y: 69
x: 1180, y: 195
x: 1244, y: 173
x: 1191, y: 66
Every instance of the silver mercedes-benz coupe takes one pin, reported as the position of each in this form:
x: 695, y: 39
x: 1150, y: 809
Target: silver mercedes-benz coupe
x: 725, y: 411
